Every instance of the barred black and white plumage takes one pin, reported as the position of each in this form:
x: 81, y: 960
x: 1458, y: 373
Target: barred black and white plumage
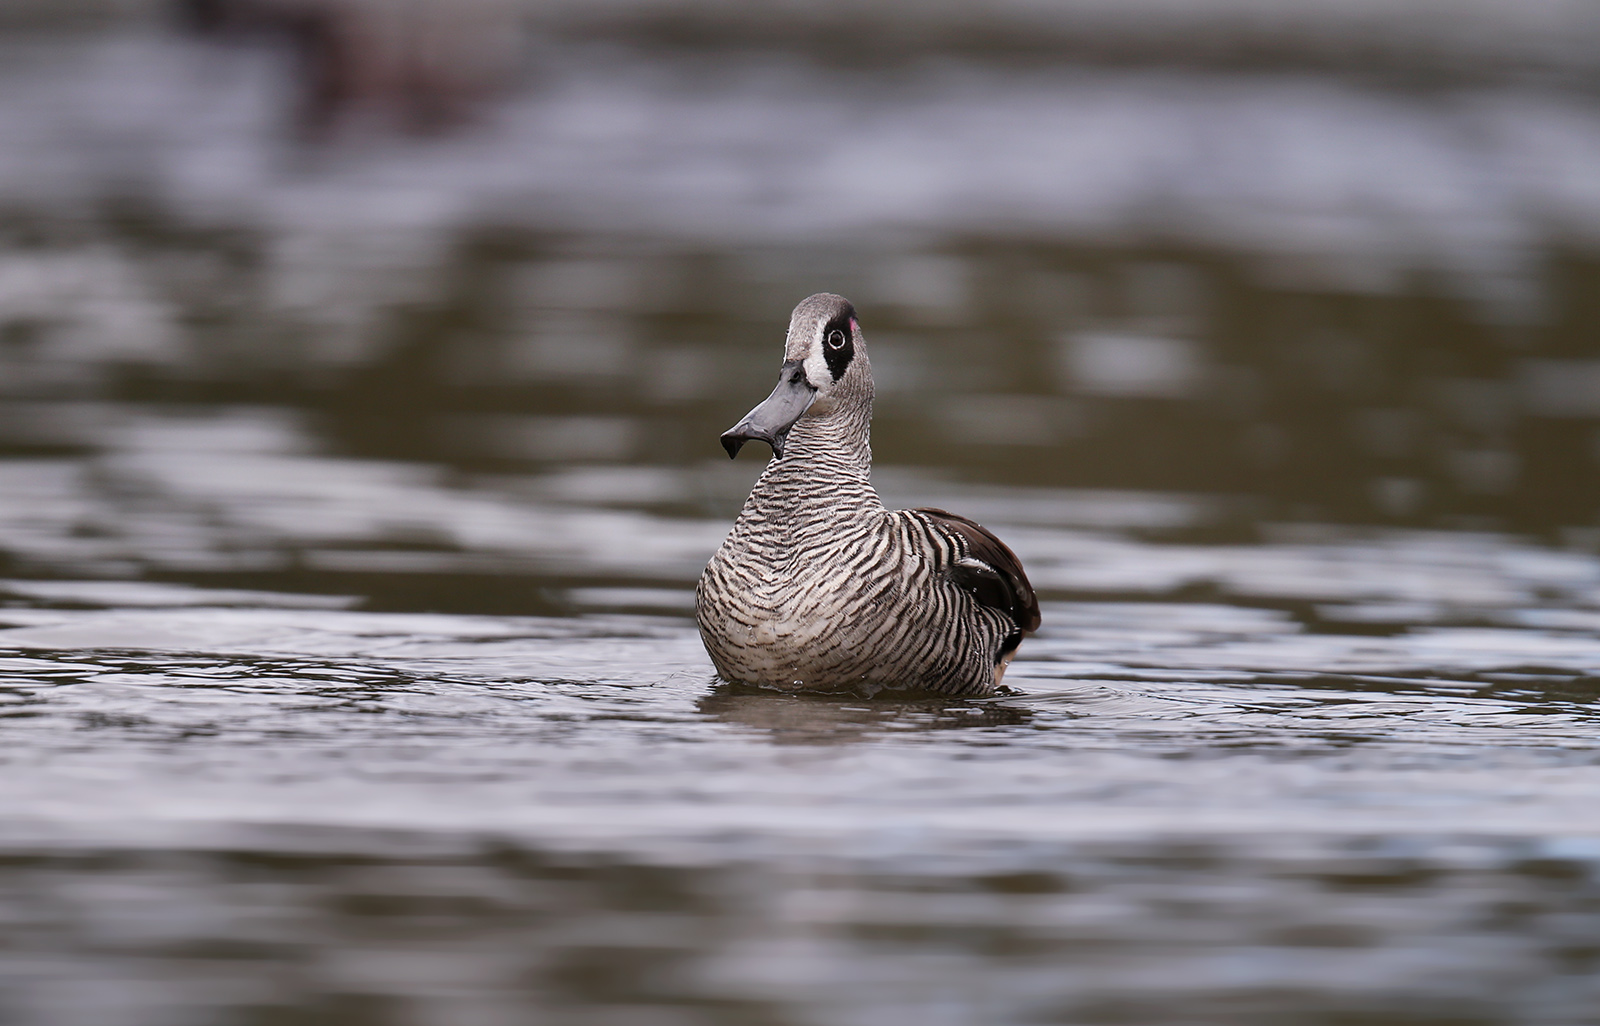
x: 819, y: 586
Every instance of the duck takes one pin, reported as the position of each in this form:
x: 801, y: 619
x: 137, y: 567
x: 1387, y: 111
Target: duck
x: 819, y: 586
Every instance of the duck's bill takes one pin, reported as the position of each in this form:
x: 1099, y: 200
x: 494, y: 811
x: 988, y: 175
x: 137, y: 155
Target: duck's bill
x: 770, y: 422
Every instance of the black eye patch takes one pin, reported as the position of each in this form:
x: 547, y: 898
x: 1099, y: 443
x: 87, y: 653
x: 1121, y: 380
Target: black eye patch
x: 838, y: 342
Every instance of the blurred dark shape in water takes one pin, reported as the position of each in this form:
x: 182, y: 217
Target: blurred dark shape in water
x: 1407, y: 41
x: 418, y: 65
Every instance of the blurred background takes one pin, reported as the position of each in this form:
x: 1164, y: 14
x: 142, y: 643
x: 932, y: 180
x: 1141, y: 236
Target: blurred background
x: 1326, y: 261
x: 438, y: 307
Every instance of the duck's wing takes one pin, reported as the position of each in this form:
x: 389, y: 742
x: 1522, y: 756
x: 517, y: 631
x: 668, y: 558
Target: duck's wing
x: 990, y: 570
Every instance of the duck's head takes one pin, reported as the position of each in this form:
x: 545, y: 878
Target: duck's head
x: 825, y: 361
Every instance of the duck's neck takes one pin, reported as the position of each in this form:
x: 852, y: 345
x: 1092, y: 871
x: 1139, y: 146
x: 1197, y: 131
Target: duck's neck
x: 826, y: 463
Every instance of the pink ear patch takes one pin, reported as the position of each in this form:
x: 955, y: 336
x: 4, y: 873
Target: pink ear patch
x: 854, y: 327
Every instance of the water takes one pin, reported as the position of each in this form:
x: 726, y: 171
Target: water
x: 1344, y: 774
x: 352, y: 495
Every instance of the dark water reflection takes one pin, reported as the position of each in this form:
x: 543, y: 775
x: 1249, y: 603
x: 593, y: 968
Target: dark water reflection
x: 352, y: 496
x: 834, y: 719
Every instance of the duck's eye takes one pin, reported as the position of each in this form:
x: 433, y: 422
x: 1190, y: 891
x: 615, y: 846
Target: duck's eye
x: 835, y: 339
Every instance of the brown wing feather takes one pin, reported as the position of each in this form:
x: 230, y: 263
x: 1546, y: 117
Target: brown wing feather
x: 1011, y: 592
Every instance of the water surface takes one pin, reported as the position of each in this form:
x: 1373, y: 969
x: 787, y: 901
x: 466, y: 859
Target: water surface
x: 1356, y: 779
x: 352, y: 495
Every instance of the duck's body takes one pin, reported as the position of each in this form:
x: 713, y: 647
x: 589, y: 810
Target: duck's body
x: 819, y: 586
